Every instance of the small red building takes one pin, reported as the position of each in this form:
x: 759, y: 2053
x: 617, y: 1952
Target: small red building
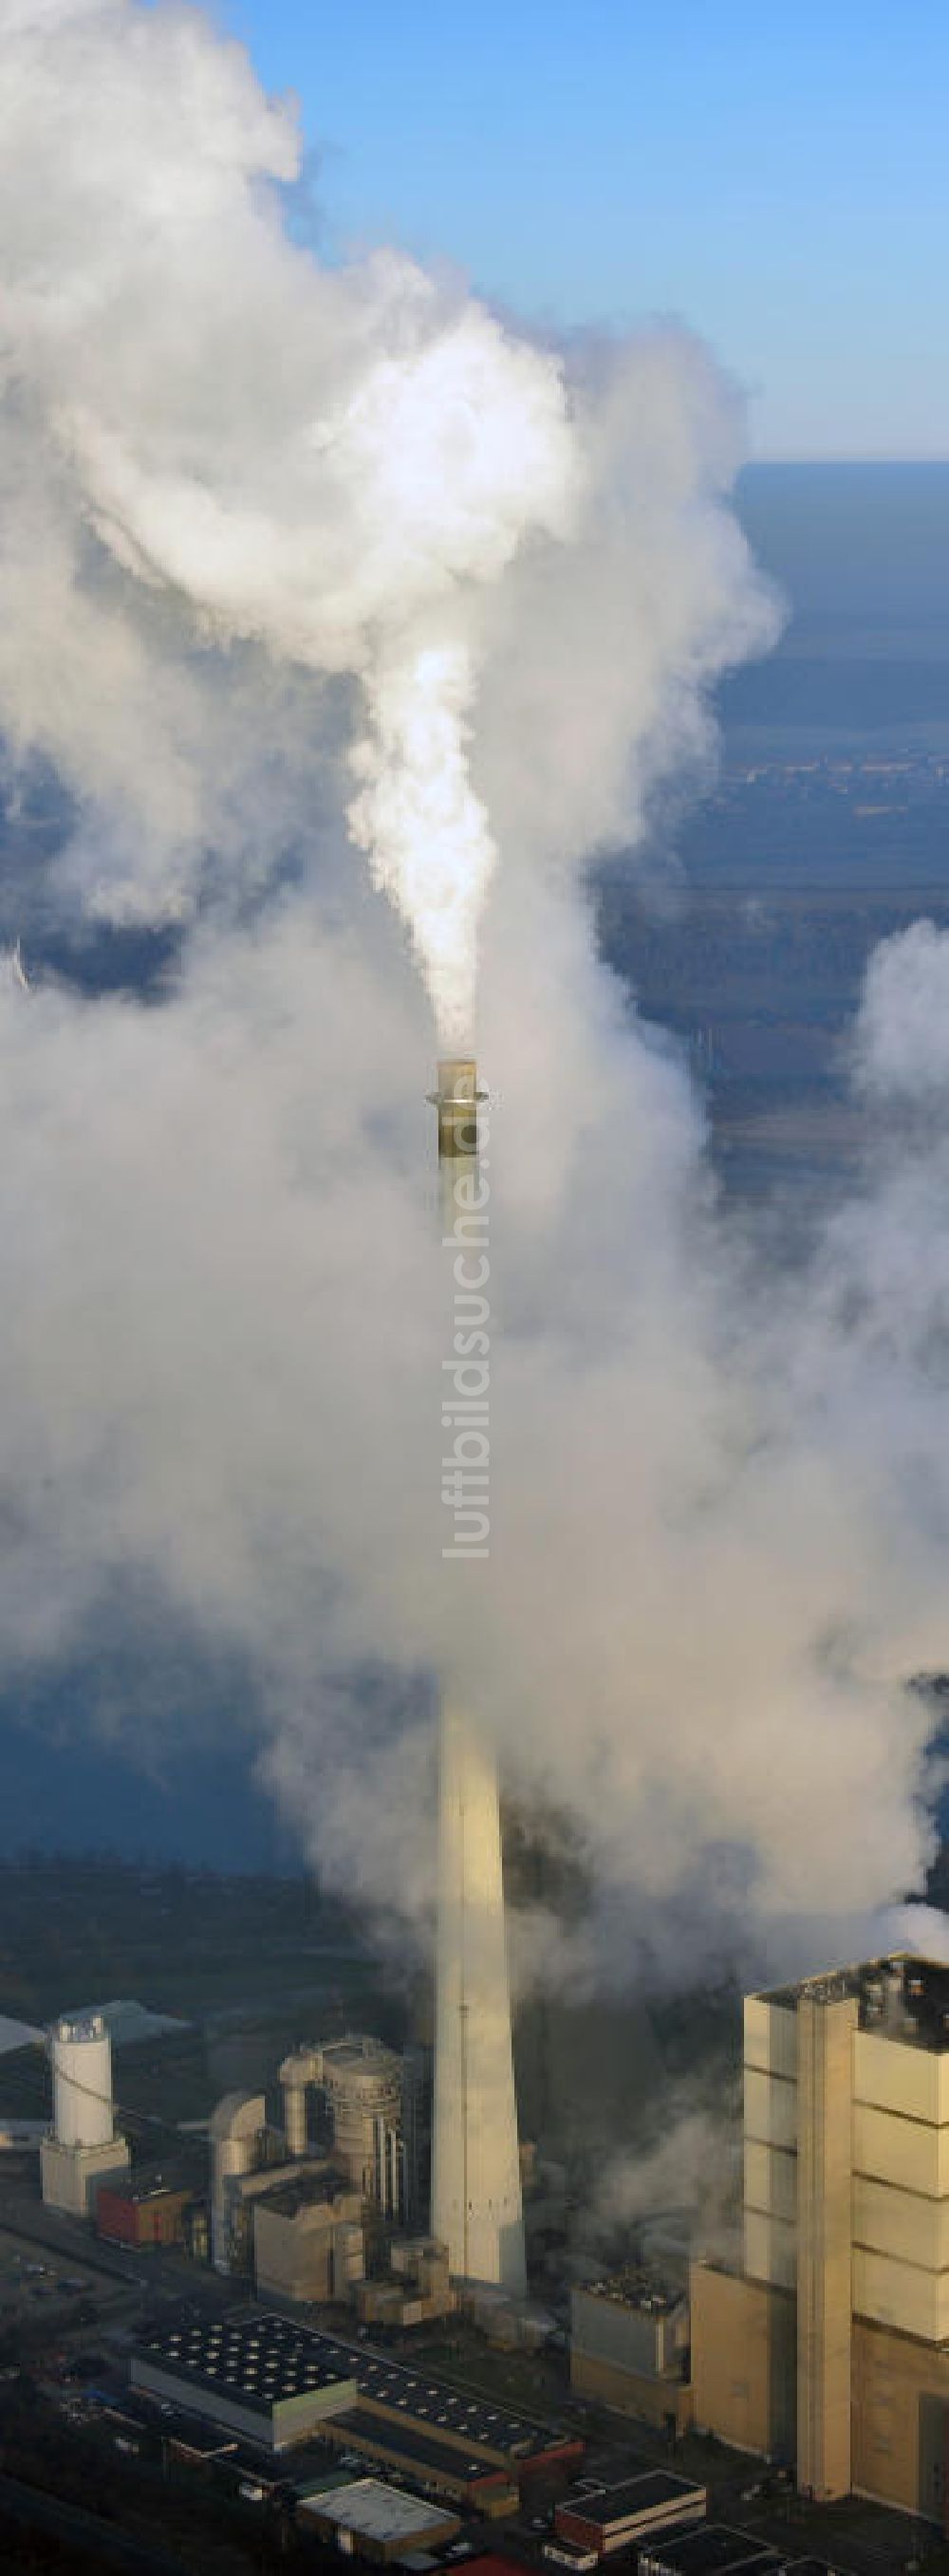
x: 141, y: 2211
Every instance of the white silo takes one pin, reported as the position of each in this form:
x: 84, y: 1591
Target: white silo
x: 82, y: 2148
x: 81, y: 2056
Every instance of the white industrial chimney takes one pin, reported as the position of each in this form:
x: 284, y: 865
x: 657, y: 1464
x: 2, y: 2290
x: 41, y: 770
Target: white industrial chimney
x: 476, y: 2183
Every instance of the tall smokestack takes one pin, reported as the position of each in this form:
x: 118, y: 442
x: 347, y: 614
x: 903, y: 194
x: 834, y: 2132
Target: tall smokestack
x: 476, y: 2183
x: 456, y: 1101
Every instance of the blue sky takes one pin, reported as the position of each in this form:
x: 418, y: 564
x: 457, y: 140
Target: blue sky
x: 773, y: 171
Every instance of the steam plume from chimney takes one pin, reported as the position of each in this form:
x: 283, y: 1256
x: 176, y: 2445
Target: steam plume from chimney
x: 280, y: 543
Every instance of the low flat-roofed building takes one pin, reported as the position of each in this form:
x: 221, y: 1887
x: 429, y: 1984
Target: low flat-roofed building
x: 419, y: 2452
x: 257, y: 2376
x: 142, y: 2210
x: 410, y: 2397
x: 370, y: 2520
x: 627, y: 2515
x: 715, y: 2550
x: 459, y: 2446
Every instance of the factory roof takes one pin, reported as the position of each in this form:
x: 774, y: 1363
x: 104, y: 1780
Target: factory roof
x: 422, y: 2453
x: 315, y: 2187
x: 255, y: 2361
x: 637, y: 2289
x: 359, y: 2054
x: 899, y: 1996
x: 147, y: 2186
x: 713, y: 2550
x: 380, y: 2512
x: 641, y: 2494
x: 426, y: 2400
x: 259, y: 2357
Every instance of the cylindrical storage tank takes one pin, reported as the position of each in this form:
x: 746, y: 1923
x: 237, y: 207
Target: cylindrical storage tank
x: 81, y: 2056
x: 294, y: 2119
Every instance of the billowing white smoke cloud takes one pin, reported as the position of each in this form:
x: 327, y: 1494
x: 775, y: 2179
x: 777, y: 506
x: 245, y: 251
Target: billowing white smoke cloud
x: 323, y: 461
x: 281, y: 545
x: 340, y: 465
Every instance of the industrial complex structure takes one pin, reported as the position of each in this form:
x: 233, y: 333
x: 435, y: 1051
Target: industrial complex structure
x: 316, y: 2209
x: 359, y: 2085
x: 278, y: 2384
x: 81, y: 2148
x: 829, y: 2346
x: 629, y: 2347
x: 476, y: 2182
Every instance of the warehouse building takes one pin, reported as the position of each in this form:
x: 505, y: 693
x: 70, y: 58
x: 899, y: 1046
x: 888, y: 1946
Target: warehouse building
x: 142, y: 2210
x: 369, y: 2520
x: 830, y: 2346
x: 713, y: 2551
x: 259, y: 2377
x: 459, y: 2447
x: 627, y: 2515
x: 442, y: 2467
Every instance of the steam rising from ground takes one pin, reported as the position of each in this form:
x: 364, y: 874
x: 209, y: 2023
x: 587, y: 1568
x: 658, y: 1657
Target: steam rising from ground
x: 293, y: 558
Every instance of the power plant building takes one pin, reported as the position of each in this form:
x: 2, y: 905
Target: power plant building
x: 830, y: 2346
x: 81, y: 2148
x: 629, y: 2341
x: 308, y: 2235
x: 359, y: 2083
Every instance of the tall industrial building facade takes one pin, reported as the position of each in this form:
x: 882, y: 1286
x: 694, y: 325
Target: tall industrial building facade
x: 476, y: 2182
x: 831, y: 2345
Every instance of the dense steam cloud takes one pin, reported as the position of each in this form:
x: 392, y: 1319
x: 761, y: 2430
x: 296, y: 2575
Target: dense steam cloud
x: 303, y: 567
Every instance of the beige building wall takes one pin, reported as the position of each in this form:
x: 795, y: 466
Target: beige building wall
x: 770, y: 2036
x: 824, y: 2293
x: 770, y: 2141
x: 900, y: 2420
x: 70, y: 2176
x: 900, y: 2076
x: 770, y: 2108
x: 846, y: 2254
x: 314, y: 2254
x: 743, y: 2360
x: 903, y: 2295
x: 632, y: 2392
x: 770, y: 2249
x: 907, y: 2225
x: 913, y: 2154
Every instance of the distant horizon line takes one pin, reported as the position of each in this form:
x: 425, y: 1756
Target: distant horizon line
x: 846, y: 464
